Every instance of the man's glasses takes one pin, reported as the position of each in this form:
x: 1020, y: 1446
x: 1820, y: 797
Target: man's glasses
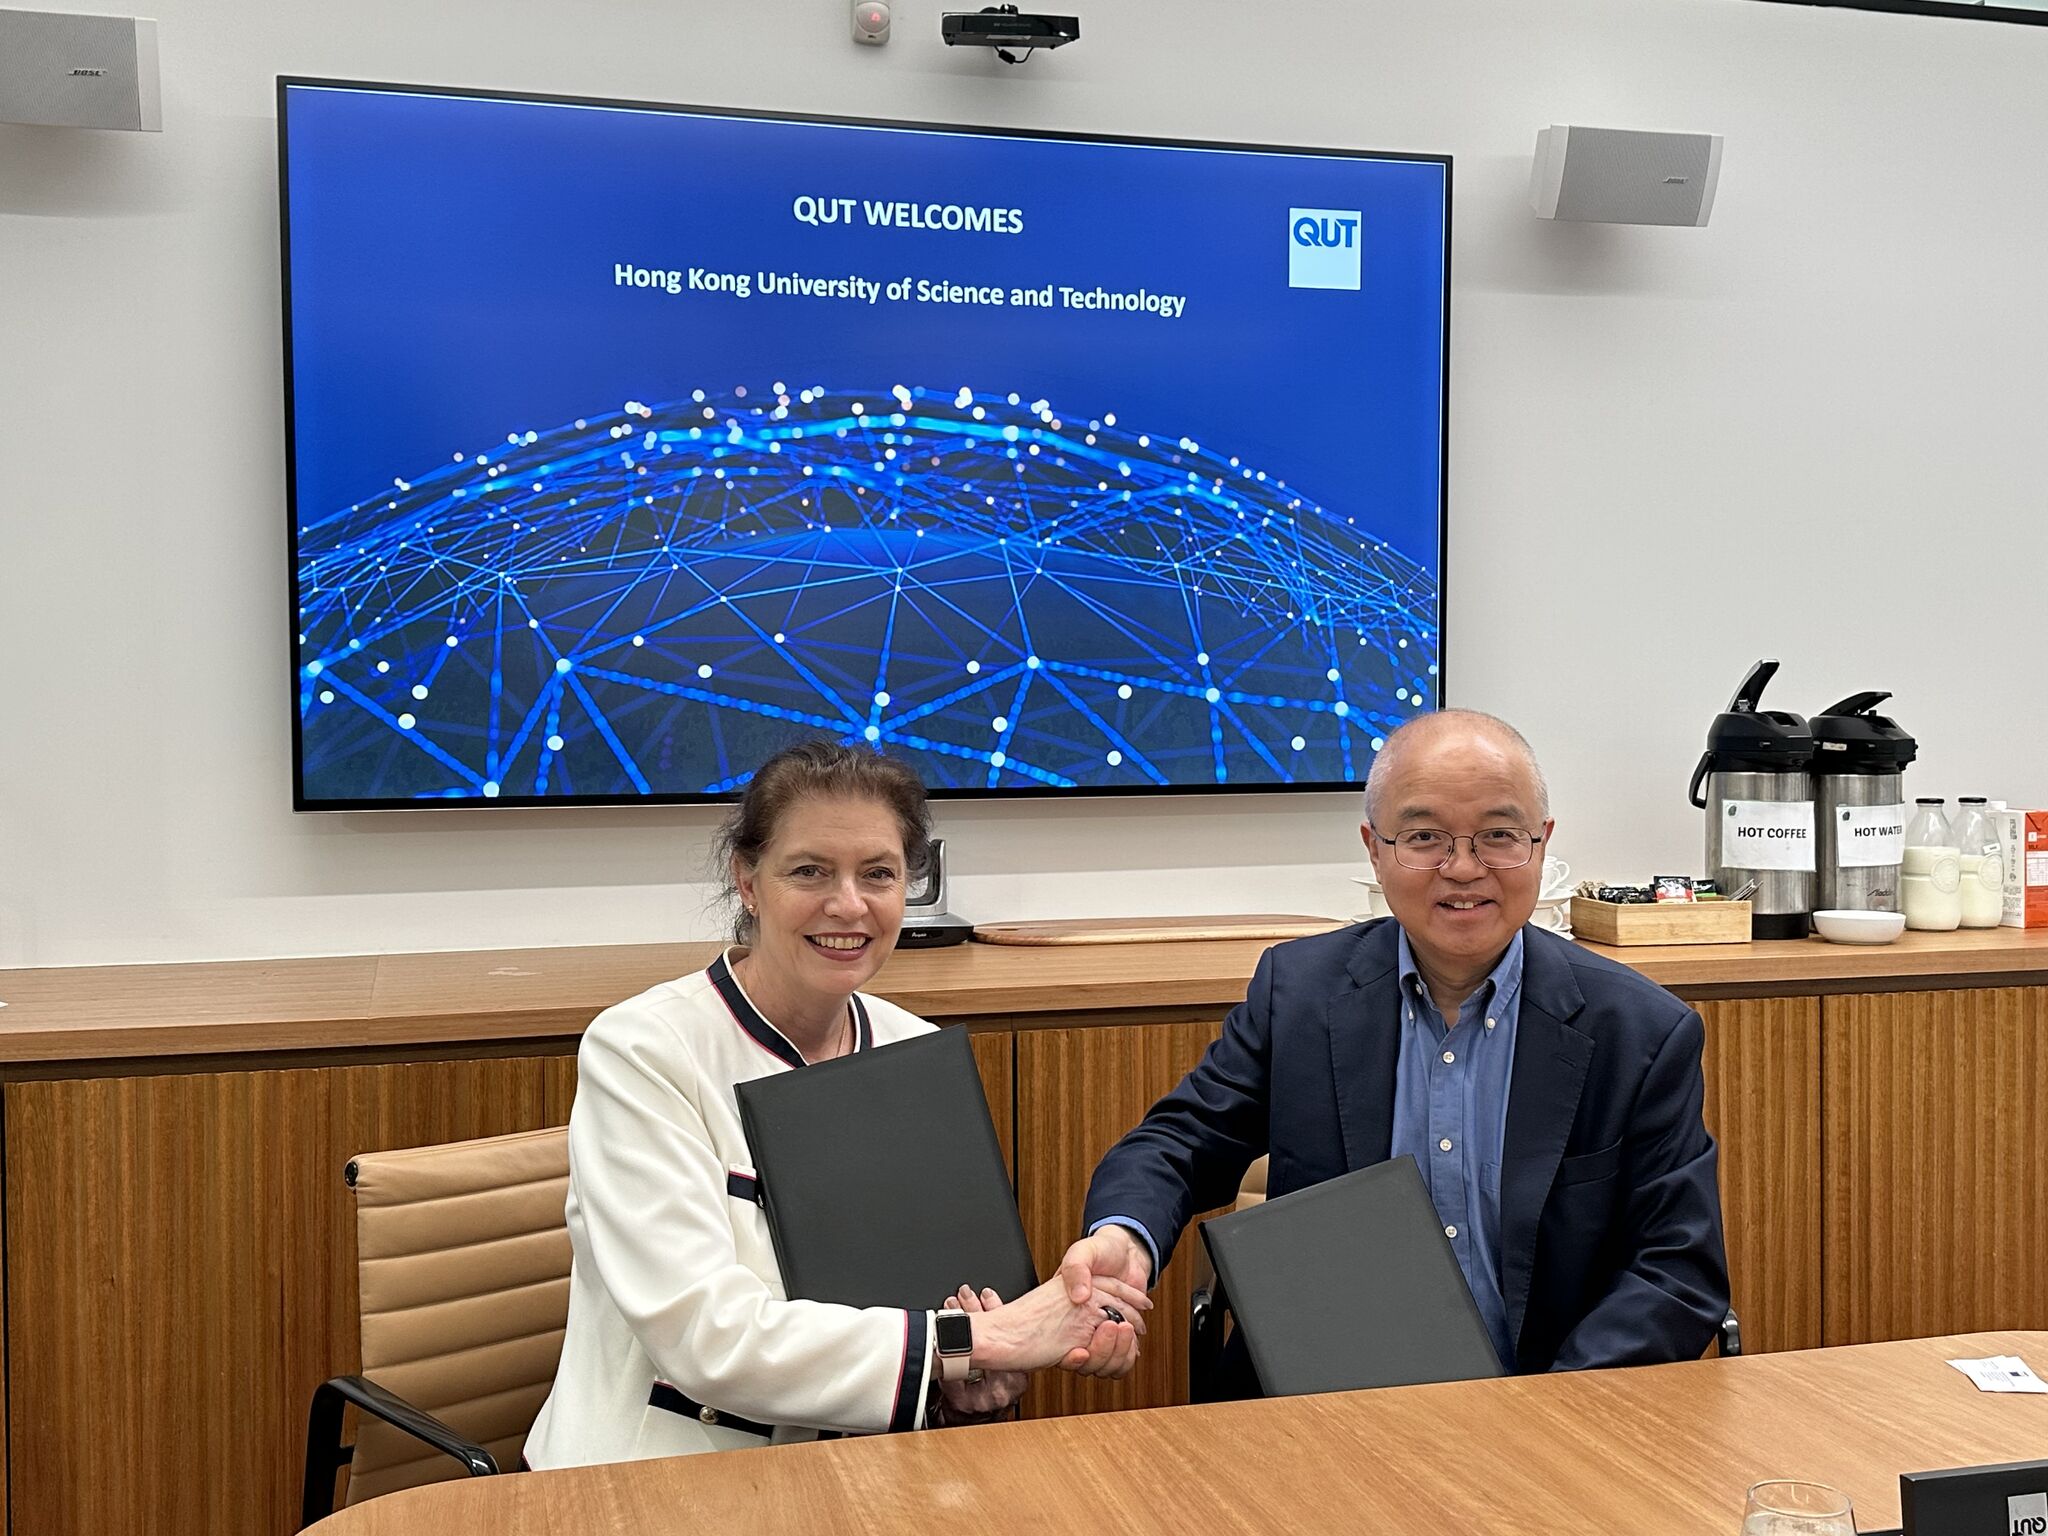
x: 1495, y: 847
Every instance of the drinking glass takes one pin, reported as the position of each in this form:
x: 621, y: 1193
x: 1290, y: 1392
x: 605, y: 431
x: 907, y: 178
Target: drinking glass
x: 1788, y: 1508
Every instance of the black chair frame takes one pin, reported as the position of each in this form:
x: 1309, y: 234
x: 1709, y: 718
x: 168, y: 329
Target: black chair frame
x: 326, y: 1455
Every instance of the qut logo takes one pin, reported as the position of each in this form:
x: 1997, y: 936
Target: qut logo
x: 1323, y: 247
x: 2027, y: 1514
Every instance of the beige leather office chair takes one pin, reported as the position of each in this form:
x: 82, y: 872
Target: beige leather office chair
x: 1209, y: 1308
x: 462, y: 1262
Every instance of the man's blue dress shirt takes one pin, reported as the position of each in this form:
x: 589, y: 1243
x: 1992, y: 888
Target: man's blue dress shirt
x: 1451, y: 1116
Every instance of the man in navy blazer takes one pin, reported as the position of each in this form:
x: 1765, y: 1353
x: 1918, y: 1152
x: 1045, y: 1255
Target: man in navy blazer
x: 1551, y: 1098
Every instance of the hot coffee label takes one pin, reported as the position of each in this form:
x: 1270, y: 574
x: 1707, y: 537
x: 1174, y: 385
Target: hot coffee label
x: 1767, y: 834
x: 1869, y: 834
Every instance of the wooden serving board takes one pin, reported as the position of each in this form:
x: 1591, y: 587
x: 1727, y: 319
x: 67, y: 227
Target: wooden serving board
x: 1154, y: 930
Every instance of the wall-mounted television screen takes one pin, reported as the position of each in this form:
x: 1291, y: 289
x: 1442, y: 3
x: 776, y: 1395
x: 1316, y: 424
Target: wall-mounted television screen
x: 629, y: 443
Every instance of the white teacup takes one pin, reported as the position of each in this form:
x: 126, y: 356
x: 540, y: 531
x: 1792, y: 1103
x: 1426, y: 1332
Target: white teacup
x: 1554, y: 913
x: 1375, y: 900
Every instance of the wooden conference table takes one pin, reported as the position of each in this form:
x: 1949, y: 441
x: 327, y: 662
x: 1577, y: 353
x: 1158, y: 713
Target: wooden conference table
x: 1663, y: 1451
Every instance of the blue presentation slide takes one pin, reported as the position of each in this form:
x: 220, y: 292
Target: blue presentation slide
x: 630, y: 445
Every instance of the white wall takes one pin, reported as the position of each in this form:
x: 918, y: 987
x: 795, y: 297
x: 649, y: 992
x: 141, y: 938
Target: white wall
x: 1812, y: 430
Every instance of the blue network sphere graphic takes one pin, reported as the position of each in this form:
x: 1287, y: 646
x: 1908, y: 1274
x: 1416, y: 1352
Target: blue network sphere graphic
x: 1007, y: 595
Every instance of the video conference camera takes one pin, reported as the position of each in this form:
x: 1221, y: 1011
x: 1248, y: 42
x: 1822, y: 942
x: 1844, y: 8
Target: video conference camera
x: 1003, y: 28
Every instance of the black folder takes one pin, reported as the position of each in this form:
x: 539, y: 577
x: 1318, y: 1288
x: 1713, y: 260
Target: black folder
x: 882, y: 1178
x: 1350, y: 1283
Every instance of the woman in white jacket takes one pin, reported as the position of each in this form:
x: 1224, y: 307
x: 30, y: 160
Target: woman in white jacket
x: 680, y: 1337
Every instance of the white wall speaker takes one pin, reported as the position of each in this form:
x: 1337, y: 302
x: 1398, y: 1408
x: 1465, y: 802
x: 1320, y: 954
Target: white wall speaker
x: 1623, y: 176
x: 66, y: 71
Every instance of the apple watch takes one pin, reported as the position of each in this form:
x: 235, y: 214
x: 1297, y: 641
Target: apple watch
x: 954, y: 1333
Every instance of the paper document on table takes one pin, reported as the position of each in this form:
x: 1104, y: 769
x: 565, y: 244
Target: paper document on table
x: 2001, y: 1373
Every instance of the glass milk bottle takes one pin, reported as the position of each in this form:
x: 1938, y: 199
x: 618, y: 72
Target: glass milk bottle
x: 1930, y: 885
x: 1981, y: 862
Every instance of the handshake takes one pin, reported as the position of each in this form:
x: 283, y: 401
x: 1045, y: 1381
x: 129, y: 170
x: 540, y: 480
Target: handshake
x: 1086, y: 1319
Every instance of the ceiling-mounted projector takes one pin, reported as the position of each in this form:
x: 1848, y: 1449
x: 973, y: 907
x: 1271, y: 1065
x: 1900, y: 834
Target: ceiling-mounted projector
x: 1003, y: 27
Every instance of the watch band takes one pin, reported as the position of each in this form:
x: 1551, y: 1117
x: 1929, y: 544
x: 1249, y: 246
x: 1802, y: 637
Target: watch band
x: 953, y: 1335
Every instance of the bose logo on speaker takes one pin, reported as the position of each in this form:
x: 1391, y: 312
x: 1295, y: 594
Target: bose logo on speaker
x: 2028, y: 1513
x: 1322, y: 247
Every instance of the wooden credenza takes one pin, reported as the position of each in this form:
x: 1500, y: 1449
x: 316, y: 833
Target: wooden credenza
x: 178, y: 1245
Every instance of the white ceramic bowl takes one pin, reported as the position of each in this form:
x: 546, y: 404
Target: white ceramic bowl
x: 1843, y: 927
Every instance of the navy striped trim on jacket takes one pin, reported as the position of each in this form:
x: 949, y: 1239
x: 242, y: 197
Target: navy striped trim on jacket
x: 766, y: 1035
x: 674, y: 1400
x: 909, y: 1409
x: 743, y: 1186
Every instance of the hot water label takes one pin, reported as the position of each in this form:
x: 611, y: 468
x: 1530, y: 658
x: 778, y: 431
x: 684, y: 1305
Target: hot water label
x: 1767, y: 834
x: 1869, y: 834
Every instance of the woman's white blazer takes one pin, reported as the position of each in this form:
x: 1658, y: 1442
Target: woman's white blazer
x: 677, y: 1317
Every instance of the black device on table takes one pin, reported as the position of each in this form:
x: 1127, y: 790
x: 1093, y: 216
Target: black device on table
x: 2006, y: 1499
x: 926, y: 922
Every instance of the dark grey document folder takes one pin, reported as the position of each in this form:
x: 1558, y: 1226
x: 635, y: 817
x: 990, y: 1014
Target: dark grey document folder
x: 1350, y: 1283
x: 882, y: 1177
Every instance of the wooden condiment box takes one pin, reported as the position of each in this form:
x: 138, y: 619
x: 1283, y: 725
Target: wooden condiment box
x: 1663, y: 922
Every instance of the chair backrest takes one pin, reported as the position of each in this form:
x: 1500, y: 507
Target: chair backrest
x: 462, y: 1255
x: 1253, y: 1189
